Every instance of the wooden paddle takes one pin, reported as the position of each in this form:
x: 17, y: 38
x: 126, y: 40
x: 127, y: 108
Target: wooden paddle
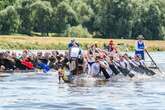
x: 152, y: 60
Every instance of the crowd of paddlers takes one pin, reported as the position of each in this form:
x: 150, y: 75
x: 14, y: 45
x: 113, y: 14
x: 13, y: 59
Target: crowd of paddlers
x: 29, y: 61
x: 94, y: 61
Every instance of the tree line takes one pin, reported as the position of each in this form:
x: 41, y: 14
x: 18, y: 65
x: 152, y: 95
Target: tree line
x: 101, y: 18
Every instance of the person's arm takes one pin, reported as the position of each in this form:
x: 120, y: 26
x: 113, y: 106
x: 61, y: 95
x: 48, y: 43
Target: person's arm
x: 143, y: 63
x: 136, y: 46
x: 69, y: 45
x: 80, y: 54
x: 69, y: 54
x: 103, y: 65
x: 128, y: 65
x: 133, y: 63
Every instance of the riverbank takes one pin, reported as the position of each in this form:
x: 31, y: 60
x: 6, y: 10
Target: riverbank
x: 59, y: 43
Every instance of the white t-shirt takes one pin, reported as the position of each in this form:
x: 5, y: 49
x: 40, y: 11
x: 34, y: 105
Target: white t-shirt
x: 123, y: 64
x: 128, y: 65
x: 95, y: 69
x: 74, y: 53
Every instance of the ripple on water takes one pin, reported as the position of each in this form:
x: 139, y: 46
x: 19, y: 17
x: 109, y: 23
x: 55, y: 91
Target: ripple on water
x: 42, y: 92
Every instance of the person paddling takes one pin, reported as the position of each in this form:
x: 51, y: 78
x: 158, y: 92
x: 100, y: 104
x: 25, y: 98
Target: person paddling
x: 104, y: 67
x: 140, y: 46
x: 123, y: 67
x: 111, y: 46
x: 143, y: 66
x: 95, y: 67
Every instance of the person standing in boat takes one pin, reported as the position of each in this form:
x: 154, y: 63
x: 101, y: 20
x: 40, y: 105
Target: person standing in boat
x: 75, y: 55
x: 71, y: 43
x: 140, y: 46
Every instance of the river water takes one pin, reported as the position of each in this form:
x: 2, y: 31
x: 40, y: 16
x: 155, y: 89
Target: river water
x: 30, y: 91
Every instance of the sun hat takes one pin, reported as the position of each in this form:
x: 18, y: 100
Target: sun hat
x: 140, y: 37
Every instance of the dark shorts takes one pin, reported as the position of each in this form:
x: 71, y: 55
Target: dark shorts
x: 141, y: 53
x: 90, y: 63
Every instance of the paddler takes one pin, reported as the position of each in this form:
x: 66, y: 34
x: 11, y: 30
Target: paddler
x: 75, y: 55
x: 111, y: 46
x: 90, y: 58
x: 104, y: 67
x: 2, y: 68
x: 112, y: 66
x: 94, y: 48
x: 140, y: 46
x: 95, y: 67
x: 123, y: 67
x: 59, y: 66
x: 143, y: 66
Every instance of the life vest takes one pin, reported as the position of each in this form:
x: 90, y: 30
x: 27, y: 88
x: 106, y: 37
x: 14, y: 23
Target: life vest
x: 26, y: 63
x: 110, y: 48
x: 140, y: 45
x: 44, y: 67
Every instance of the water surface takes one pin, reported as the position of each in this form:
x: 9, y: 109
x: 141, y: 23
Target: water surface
x: 42, y: 92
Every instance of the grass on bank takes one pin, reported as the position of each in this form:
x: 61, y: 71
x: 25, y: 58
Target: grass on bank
x: 60, y: 43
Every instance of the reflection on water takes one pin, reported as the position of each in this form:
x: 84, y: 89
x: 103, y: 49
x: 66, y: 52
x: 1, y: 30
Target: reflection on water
x: 42, y: 92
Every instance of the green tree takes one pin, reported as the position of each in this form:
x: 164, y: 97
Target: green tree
x: 6, y: 3
x: 94, y: 4
x: 9, y: 20
x: 41, y: 15
x: 83, y: 11
x: 63, y: 16
x: 115, y: 18
x: 54, y: 3
x: 25, y: 12
x: 150, y: 20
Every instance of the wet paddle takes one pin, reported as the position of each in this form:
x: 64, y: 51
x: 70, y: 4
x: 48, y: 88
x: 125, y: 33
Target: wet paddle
x: 153, y: 60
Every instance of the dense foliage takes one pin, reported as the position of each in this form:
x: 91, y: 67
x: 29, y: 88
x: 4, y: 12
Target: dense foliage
x: 108, y: 18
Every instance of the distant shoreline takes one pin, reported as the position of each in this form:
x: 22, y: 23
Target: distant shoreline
x: 19, y: 42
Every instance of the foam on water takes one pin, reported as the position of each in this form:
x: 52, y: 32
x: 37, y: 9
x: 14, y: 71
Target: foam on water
x: 43, y: 92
